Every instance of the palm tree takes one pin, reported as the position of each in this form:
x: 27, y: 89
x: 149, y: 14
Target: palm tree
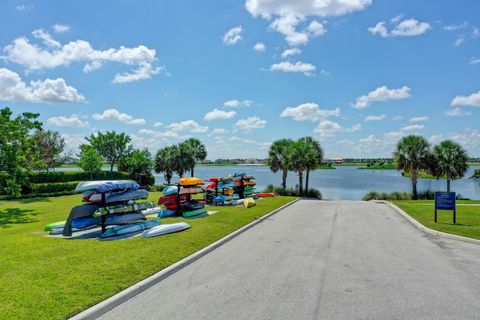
x: 165, y: 162
x: 412, y: 154
x: 184, y: 158
x: 313, y: 157
x: 301, y: 156
x: 279, y: 158
x: 451, y: 159
x: 199, y: 151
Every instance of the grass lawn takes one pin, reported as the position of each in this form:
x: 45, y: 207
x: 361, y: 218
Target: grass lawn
x: 51, y: 278
x: 387, y: 166
x: 468, y: 217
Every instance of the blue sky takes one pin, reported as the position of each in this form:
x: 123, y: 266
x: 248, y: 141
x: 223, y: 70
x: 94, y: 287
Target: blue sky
x: 355, y: 74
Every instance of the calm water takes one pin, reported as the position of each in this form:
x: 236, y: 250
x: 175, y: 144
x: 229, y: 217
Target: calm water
x: 346, y: 183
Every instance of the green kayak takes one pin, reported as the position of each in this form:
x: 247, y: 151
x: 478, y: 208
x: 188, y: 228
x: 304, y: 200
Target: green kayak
x: 193, y: 213
x: 54, y: 225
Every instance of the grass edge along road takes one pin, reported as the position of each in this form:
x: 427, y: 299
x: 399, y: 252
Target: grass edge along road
x: 468, y: 216
x: 52, y: 278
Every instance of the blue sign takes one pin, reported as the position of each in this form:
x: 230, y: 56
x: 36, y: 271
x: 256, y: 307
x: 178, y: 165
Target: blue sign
x: 445, y: 201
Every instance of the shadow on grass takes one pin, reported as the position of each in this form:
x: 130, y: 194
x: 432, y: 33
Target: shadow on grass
x: 33, y: 200
x: 13, y: 216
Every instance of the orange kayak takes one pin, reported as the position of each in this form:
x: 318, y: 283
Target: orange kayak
x: 190, y: 181
x: 264, y: 194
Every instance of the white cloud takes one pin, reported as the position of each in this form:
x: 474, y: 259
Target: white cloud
x: 72, y: 121
x: 303, y: 8
x: 233, y: 35
x: 405, y: 28
x: 53, y: 54
x: 375, y: 118
x: 238, y: 103
x: 419, y: 119
x: 457, y: 112
x: 157, y: 124
x: 158, y: 134
x: 381, y: 94
x: 291, y: 52
x: 46, y: 38
x: 316, y: 28
x: 144, y: 71
x: 218, y: 131
x: 309, y: 112
x: 459, y: 41
x: 398, y: 118
x: 455, y: 27
x: 435, y: 139
x: 413, y: 127
x: 250, y: 123
x: 287, y: 25
x: 72, y: 141
x: 475, y: 32
x: 259, y: 46
x: 13, y: 88
x: 60, y: 28
x: 299, y: 66
x: 327, y: 129
x: 354, y: 128
x: 115, y: 115
x: 474, y: 61
x: 187, y: 125
x: 24, y: 7
x: 472, y: 100
x: 217, y: 114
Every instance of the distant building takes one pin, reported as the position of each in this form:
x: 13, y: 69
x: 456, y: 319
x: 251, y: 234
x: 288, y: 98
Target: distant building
x: 334, y: 160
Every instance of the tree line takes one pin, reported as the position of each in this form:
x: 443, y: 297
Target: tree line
x: 300, y: 156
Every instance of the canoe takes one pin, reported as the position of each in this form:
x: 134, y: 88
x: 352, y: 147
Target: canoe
x: 249, y: 202
x: 130, y: 228
x: 193, y: 213
x: 190, y: 181
x: 167, y: 213
x: 107, y: 185
x: 123, y: 208
x: 165, y: 229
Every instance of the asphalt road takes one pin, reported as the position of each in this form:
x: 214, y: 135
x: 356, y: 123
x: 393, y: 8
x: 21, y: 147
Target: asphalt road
x: 322, y: 260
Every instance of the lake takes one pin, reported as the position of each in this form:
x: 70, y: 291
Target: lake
x: 343, y: 183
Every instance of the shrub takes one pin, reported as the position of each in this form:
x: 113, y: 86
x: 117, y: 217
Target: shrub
x: 53, y: 187
x: 156, y: 187
x: 312, y: 193
x: 67, y: 176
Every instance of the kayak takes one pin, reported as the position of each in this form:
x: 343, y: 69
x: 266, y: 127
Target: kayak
x: 123, y: 208
x: 130, y: 228
x: 112, y: 197
x: 150, y: 211
x: 221, y: 198
x: 190, y: 181
x: 249, y: 202
x: 171, y: 199
x: 239, y: 174
x: 167, y: 213
x: 165, y: 229
x: 193, y: 213
x: 264, y: 194
x: 192, y: 206
x: 107, y: 185
x: 172, y: 190
x: 78, y: 223
x: 249, y: 183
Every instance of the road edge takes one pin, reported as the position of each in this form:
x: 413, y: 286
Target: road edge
x: 425, y: 229
x: 110, y: 303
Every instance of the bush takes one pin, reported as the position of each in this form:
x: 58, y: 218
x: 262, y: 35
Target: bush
x: 68, y: 176
x: 53, y: 187
x: 312, y: 193
x: 156, y: 188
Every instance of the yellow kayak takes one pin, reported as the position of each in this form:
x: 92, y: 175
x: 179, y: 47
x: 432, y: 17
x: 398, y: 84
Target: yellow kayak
x: 190, y: 181
x: 249, y: 202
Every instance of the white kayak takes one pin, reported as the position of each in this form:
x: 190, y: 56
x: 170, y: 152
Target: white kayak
x: 165, y: 229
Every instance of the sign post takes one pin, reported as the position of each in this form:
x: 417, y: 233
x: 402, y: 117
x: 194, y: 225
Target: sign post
x: 446, y: 201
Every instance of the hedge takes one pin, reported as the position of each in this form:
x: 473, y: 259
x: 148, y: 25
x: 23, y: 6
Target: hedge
x: 67, y: 176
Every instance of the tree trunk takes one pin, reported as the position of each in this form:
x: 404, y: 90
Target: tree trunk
x: 284, y: 179
x: 192, y: 171
x: 414, y: 185
x: 300, y: 182
x: 448, y: 185
x: 307, y: 177
x: 111, y: 166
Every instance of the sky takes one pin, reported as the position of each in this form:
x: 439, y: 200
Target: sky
x: 355, y: 74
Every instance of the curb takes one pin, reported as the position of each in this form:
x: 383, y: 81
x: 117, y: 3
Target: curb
x: 108, y: 304
x: 426, y: 230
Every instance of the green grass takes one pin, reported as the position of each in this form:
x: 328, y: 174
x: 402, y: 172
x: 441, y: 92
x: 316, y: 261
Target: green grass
x: 52, y: 278
x: 468, y: 217
x: 388, y: 166
x: 423, y: 175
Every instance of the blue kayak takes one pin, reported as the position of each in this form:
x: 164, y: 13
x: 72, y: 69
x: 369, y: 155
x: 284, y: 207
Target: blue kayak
x: 107, y: 185
x: 130, y: 228
x: 167, y: 213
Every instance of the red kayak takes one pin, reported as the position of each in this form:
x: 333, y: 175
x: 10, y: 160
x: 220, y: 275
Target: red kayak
x: 264, y: 194
x: 172, y: 199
